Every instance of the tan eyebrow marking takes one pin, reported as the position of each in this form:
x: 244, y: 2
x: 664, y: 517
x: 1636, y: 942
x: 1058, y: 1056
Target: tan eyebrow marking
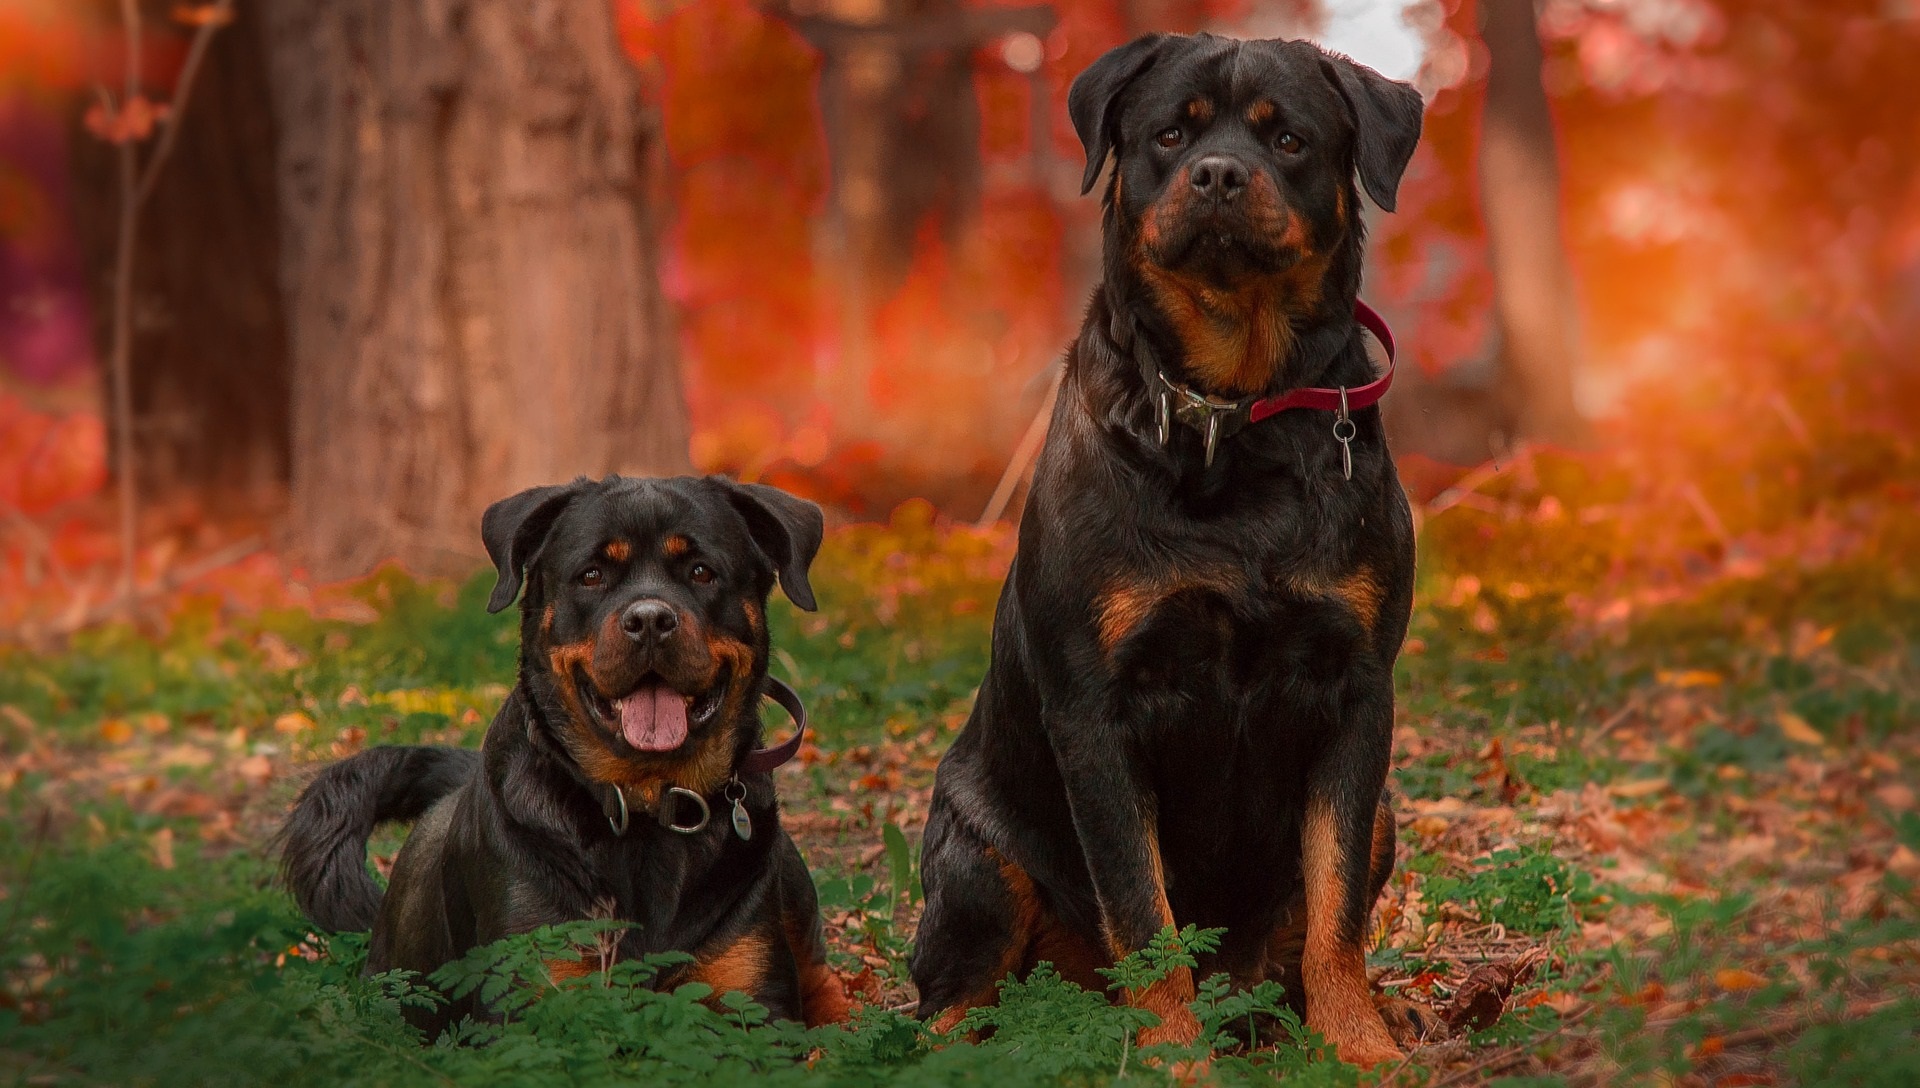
x: 1200, y: 110
x: 1261, y: 113
x: 676, y: 546
x: 618, y: 550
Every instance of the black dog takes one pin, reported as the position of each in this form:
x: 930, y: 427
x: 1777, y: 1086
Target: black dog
x: 643, y: 657
x: 1189, y: 712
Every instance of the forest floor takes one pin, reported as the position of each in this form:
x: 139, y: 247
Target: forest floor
x: 1658, y: 826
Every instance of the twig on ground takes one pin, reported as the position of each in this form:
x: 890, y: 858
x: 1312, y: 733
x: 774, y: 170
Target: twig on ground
x: 1512, y: 1054
x: 172, y: 580
x: 1474, y: 480
x: 39, y: 543
x: 1613, y: 722
x: 1782, y: 1030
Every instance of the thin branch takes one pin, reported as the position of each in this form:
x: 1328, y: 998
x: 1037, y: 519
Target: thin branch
x: 136, y: 186
x: 167, y: 583
x: 182, y: 93
x: 1466, y: 485
x: 1023, y: 454
x: 122, y: 356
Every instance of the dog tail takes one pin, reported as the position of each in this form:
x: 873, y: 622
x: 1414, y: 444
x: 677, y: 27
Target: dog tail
x: 323, y: 846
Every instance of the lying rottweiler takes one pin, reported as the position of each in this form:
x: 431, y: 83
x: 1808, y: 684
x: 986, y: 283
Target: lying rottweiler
x: 1189, y: 711
x: 623, y: 777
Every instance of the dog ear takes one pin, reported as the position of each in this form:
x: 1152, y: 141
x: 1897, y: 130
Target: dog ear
x: 1095, y: 91
x: 789, y: 530
x: 515, y: 529
x: 1386, y: 124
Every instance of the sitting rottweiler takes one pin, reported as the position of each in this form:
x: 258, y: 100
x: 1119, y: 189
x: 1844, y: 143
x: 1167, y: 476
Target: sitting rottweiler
x: 622, y: 778
x: 1189, y: 711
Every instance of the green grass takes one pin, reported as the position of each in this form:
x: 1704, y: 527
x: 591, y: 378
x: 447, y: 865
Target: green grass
x: 126, y: 752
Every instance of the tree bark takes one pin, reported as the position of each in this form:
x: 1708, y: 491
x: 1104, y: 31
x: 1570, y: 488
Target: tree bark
x: 468, y: 254
x: 1520, y: 202
x: 209, y: 358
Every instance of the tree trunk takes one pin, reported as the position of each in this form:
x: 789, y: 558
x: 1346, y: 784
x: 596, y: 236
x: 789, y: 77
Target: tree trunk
x: 469, y: 246
x: 209, y: 350
x: 1520, y: 201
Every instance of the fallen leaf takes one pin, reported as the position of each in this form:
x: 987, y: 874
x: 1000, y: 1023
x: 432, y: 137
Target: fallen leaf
x: 162, y: 842
x: 1897, y: 796
x: 116, y: 731
x: 292, y: 722
x: 1795, y: 728
x: 277, y: 655
x: 1645, y: 787
x: 1904, y: 863
x: 1689, y: 678
x: 1735, y: 979
x: 185, y: 755
x: 1480, y: 1000
x: 257, y: 770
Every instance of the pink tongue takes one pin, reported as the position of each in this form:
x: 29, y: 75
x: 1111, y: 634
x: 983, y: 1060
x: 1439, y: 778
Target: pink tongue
x: 654, y: 718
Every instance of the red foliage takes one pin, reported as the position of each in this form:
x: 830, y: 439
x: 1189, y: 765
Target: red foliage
x: 48, y: 460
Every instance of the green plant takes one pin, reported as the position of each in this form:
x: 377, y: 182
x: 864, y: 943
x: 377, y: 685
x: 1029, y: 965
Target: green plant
x: 1526, y: 889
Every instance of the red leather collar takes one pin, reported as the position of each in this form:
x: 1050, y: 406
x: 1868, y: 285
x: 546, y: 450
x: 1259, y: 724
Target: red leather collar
x: 1332, y: 400
x: 766, y: 759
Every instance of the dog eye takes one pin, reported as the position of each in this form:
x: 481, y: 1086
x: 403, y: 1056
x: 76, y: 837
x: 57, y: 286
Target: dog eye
x: 701, y: 574
x: 591, y: 576
x: 1291, y: 144
x: 1169, y: 138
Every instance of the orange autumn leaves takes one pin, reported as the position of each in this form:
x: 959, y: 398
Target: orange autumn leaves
x: 47, y: 459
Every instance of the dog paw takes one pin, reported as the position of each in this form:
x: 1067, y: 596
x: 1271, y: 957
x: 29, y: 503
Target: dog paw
x: 1368, y: 1055
x: 1410, y: 1023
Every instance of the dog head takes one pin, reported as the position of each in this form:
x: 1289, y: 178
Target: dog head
x: 1232, y: 219
x: 643, y: 624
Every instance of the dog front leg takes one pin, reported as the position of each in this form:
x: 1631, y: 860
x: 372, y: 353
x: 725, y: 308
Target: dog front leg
x: 1337, y: 858
x: 1116, y: 820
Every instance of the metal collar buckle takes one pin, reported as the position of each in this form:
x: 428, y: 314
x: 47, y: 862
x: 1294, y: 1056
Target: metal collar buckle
x: 1215, y: 419
x: 622, y: 816
x: 665, y: 816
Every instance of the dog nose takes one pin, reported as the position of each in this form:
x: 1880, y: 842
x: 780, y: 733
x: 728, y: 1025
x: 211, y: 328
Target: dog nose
x: 1218, y: 177
x: 649, y: 621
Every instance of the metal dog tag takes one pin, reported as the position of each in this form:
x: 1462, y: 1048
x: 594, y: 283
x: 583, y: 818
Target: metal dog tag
x: 1344, y: 430
x: 742, y: 823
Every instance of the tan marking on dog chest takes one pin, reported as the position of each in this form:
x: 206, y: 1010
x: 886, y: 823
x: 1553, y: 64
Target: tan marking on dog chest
x: 1126, y: 603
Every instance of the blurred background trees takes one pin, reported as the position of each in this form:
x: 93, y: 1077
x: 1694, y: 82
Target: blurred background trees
x: 413, y: 255
x: 469, y: 245
x: 415, y: 268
